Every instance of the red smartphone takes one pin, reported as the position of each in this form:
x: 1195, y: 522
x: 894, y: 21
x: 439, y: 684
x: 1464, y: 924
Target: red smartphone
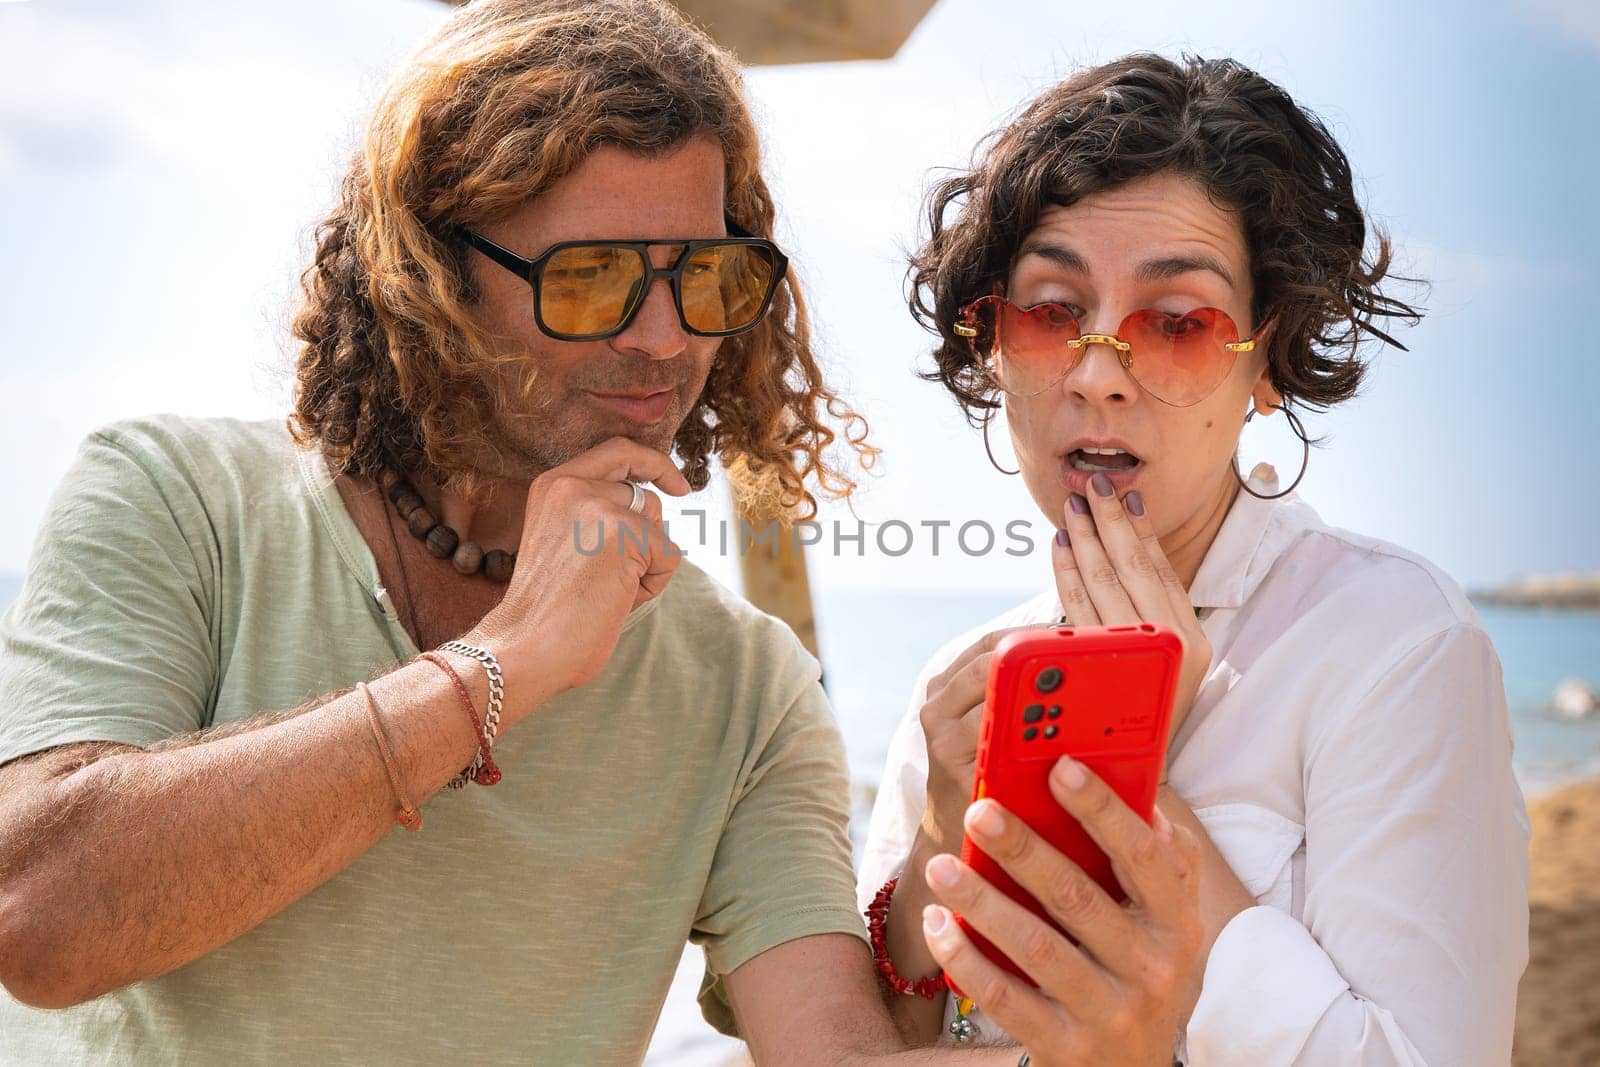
x: 1102, y: 695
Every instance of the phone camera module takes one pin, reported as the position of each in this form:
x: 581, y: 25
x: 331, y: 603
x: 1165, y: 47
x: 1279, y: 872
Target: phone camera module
x: 1049, y: 680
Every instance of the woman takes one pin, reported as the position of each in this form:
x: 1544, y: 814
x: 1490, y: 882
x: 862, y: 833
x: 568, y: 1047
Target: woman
x: 1336, y: 872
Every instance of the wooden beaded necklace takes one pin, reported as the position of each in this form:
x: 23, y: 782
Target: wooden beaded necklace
x: 440, y: 540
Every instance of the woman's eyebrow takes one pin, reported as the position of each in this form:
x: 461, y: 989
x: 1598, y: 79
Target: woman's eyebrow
x: 1060, y: 255
x: 1151, y: 270
x: 1155, y: 270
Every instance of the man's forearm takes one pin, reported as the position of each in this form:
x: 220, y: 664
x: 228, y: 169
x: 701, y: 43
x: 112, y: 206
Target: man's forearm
x: 814, y: 1000
x: 142, y: 861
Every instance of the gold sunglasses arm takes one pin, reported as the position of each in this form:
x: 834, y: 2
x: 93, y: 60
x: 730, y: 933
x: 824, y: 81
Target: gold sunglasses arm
x: 1247, y: 345
x: 963, y: 330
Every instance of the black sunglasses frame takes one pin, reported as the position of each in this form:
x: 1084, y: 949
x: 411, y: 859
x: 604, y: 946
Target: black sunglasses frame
x: 532, y: 272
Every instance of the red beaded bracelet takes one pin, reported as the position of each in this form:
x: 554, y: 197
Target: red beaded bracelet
x: 878, y: 927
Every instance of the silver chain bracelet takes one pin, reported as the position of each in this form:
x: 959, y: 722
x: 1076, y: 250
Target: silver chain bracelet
x: 491, y: 715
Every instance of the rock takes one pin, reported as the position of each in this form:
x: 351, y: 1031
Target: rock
x: 1575, y: 698
x: 1573, y: 592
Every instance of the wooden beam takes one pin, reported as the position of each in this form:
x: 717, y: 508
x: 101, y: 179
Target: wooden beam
x: 764, y: 32
x: 767, y: 32
x: 774, y: 576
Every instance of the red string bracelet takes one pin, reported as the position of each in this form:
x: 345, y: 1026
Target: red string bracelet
x: 487, y: 773
x: 407, y: 816
x: 878, y: 927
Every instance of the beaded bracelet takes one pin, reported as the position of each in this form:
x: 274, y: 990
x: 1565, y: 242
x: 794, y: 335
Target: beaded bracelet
x: 482, y: 769
x: 962, y: 1029
x: 408, y: 816
x: 497, y: 689
x: 878, y: 927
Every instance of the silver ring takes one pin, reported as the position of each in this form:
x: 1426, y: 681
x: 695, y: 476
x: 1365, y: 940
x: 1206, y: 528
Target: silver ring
x: 636, y: 505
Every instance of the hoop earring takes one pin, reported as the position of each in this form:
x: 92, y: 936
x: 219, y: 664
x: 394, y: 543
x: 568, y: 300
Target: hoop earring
x: 987, y: 419
x: 1305, y: 445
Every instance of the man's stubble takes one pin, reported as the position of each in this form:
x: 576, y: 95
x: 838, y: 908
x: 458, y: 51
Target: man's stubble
x: 561, y: 423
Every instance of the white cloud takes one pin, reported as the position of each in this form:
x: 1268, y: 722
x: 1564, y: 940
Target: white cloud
x: 1454, y: 277
x: 171, y: 157
x: 1571, y: 19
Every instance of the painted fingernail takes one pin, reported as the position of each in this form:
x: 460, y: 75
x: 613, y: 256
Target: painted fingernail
x: 1078, y: 504
x: 943, y: 871
x: 1063, y: 539
x: 1070, y: 773
x: 1134, y: 503
x: 1102, y: 484
x: 985, y: 818
x: 934, y: 920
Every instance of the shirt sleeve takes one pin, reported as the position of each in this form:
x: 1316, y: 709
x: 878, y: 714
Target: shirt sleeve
x: 1415, y: 926
x: 110, y: 639
x: 782, y: 867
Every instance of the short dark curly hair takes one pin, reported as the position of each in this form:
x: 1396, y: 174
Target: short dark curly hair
x: 1216, y: 121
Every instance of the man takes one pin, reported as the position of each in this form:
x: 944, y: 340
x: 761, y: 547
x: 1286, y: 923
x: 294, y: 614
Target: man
x: 527, y: 297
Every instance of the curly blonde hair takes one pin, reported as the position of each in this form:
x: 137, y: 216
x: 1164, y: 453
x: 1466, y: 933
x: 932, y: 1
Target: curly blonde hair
x: 511, y: 96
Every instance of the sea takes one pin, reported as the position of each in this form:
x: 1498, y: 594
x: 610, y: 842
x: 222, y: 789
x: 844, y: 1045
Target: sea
x: 873, y: 643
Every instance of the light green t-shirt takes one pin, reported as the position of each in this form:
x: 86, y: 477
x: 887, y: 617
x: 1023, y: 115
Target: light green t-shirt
x: 191, y: 572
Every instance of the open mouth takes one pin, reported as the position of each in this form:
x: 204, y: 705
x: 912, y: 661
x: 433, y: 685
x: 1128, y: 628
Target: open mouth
x: 1093, y: 460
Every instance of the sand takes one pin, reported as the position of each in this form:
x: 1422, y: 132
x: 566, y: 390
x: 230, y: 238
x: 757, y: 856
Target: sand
x: 1558, y: 1005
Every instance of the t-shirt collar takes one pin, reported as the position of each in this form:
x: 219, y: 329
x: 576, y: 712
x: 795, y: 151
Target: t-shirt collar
x: 355, y: 551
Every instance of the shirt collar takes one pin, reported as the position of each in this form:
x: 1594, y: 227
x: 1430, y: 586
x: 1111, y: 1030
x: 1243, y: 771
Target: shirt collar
x: 1253, y: 536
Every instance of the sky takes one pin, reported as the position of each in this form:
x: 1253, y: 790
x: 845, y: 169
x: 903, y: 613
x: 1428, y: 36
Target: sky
x: 164, y: 163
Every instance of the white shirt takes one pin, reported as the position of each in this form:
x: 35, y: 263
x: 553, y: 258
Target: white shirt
x: 1349, y: 753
